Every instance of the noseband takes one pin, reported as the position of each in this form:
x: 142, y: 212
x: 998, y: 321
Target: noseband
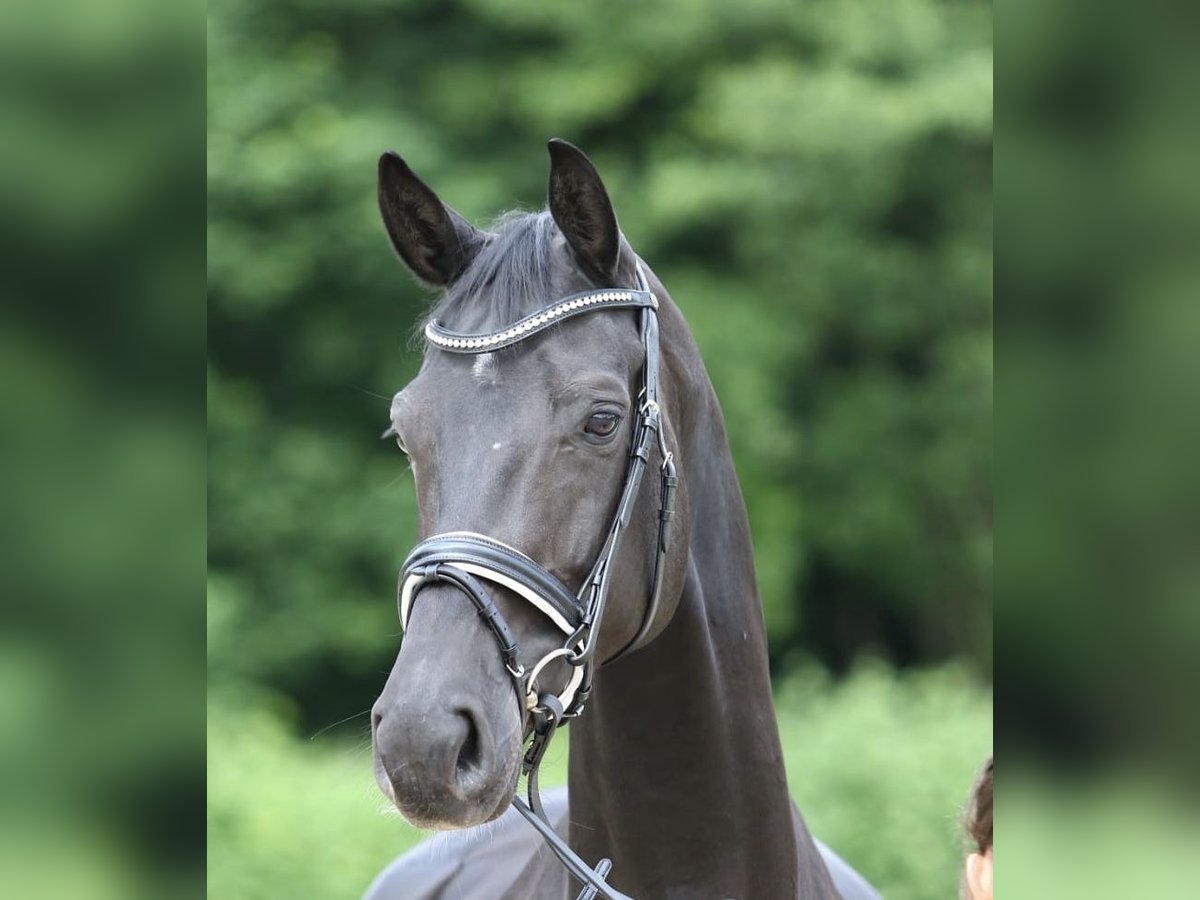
x: 468, y: 560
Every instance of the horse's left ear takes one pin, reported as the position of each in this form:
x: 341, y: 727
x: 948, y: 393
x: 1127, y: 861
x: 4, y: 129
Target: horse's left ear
x: 581, y: 208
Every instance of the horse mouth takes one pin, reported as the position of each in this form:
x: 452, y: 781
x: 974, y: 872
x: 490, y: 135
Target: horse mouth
x: 472, y: 794
x: 441, y: 811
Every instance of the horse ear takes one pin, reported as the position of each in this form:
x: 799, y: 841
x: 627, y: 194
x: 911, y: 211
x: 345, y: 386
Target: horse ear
x: 435, y: 242
x: 581, y: 208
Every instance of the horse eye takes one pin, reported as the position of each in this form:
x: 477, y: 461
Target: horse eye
x: 393, y: 433
x: 602, y: 424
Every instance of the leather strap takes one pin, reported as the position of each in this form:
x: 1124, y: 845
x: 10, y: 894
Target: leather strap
x: 567, y: 308
x: 484, y: 605
x: 491, y: 558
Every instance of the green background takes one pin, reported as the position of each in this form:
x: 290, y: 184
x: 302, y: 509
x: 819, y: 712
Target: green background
x: 813, y: 184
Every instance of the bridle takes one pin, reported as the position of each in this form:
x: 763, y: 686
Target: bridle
x: 466, y: 560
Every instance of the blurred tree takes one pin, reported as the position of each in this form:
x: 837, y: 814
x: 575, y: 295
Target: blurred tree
x: 813, y: 182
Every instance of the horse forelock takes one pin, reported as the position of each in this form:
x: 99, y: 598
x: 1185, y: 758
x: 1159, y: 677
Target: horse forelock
x: 511, y: 276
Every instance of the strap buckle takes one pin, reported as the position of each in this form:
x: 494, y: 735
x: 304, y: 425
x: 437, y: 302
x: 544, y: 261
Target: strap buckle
x: 601, y: 871
x: 532, y: 699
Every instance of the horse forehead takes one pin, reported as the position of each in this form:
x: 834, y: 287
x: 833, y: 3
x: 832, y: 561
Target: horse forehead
x: 463, y: 397
x: 526, y: 379
x: 523, y: 370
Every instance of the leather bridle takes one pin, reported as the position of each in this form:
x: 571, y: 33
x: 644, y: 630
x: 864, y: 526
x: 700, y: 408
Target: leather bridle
x: 467, y: 560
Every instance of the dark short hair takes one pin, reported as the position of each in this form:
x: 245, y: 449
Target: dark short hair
x: 978, y: 819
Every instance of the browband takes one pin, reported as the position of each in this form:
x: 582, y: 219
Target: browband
x: 458, y: 342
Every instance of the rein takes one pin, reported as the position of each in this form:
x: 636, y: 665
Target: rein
x: 466, y: 560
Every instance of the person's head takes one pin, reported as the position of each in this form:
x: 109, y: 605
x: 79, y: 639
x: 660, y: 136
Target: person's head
x: 977, y: 875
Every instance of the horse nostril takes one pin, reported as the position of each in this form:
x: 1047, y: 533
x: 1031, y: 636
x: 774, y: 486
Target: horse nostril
x: 468, y: 752
x: 376, y: 718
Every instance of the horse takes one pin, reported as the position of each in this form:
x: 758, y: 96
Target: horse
x: 557, y: 371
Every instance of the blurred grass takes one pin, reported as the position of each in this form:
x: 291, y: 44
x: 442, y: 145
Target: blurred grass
x: 880, y: 764
x: 1123, y: 835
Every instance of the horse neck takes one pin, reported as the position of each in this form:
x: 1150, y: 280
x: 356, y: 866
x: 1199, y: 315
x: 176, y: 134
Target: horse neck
x: 676, y: 767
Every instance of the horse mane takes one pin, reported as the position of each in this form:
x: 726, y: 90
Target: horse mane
x: 510, y: 276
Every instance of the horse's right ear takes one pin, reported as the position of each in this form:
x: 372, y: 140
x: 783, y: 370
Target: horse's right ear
x: 435, y: 242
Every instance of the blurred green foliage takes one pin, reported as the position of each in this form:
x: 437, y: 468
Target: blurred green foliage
x: 102, y: 449
x: 879, y: 764
x: 1101, y: 514
x: 813, y: 183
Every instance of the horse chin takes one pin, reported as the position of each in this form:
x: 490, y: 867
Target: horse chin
x: 456, y: 813
x: 478, y: 796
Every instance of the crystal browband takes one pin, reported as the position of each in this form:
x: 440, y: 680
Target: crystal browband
x: 457, y: 342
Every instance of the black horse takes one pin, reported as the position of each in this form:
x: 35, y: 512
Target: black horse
x: 676, y: 769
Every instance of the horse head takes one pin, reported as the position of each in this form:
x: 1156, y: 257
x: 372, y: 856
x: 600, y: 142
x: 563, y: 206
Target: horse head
x: 528, y: 444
